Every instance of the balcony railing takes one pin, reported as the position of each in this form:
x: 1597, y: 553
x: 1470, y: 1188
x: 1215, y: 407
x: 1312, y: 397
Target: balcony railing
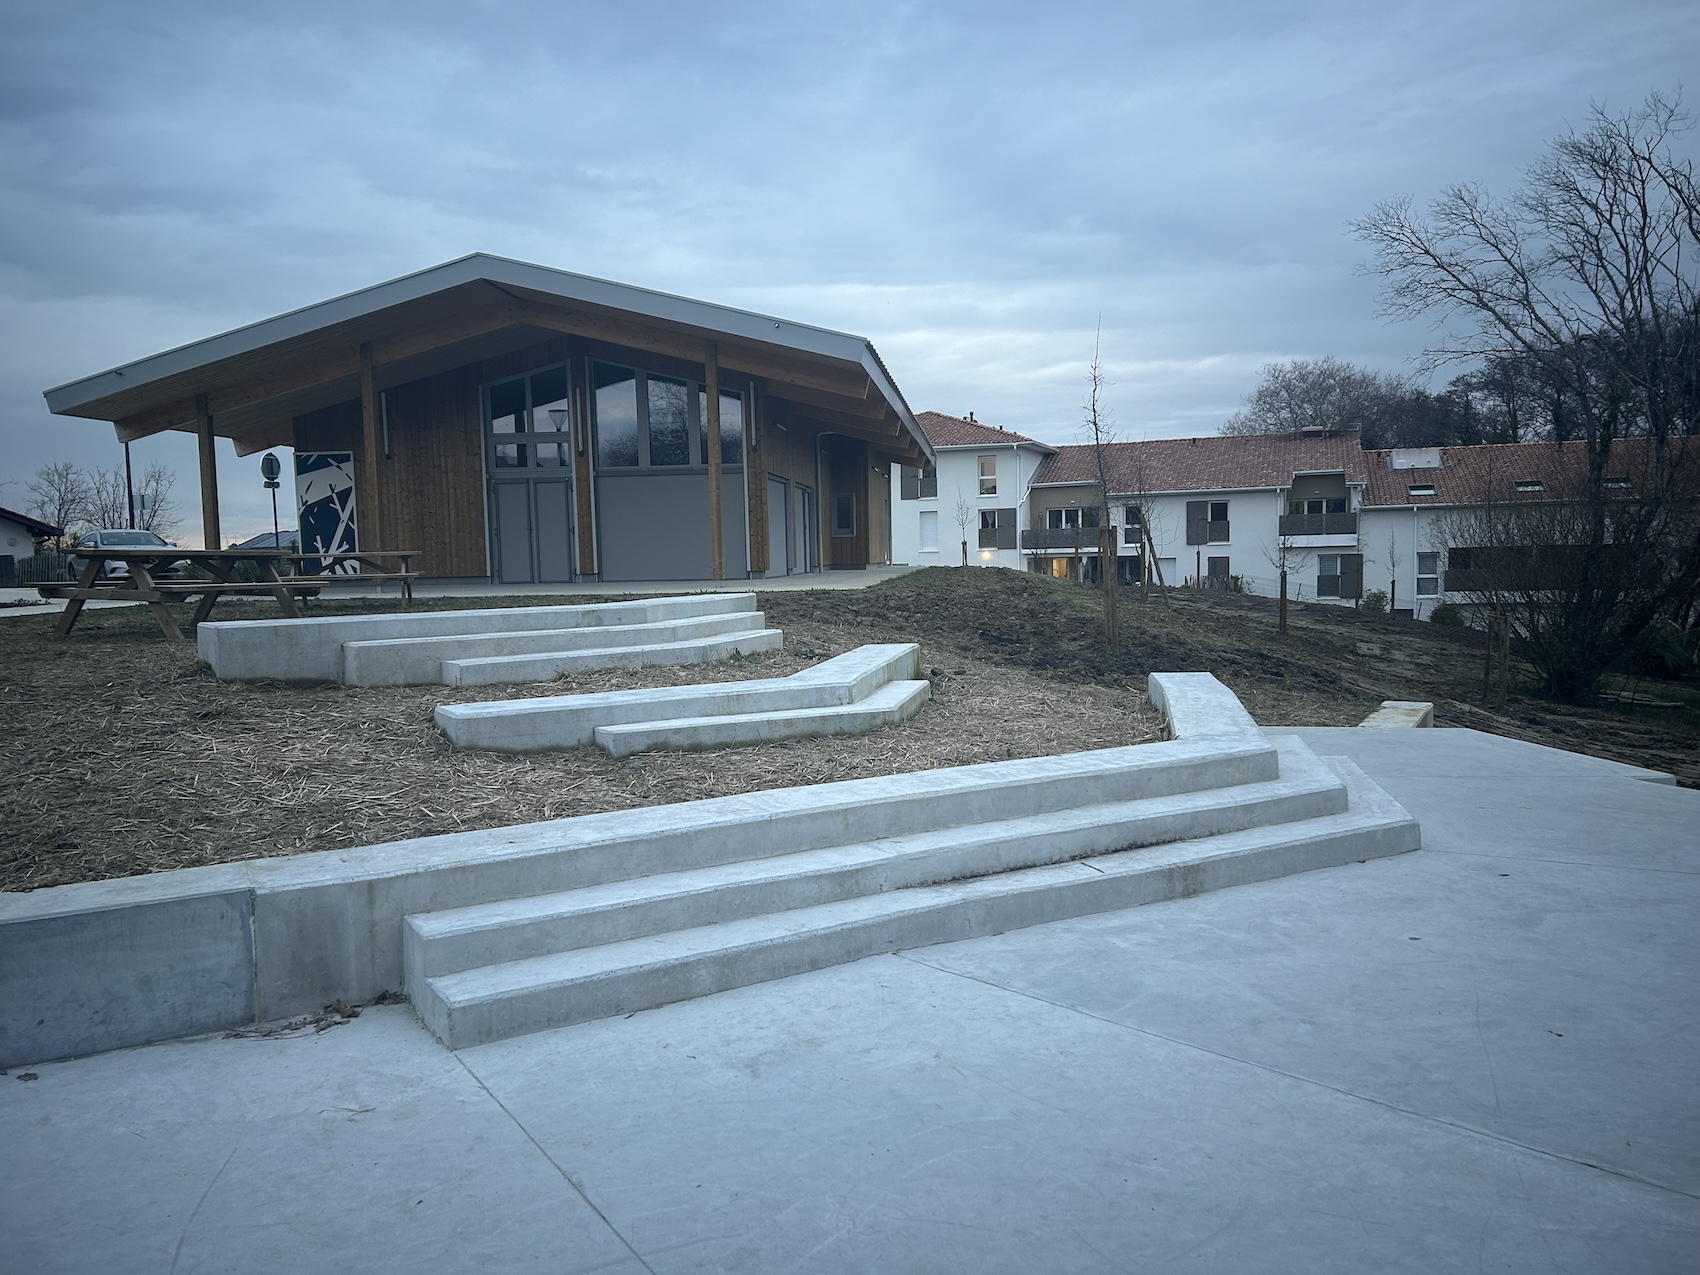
x: 1319, y: 525
x: 988, y: 537
x: 1077, y: 538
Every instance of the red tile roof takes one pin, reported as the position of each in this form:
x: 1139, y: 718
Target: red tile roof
x: 956, y: 431
x: 1492, y: 472
x: 1216, y: 462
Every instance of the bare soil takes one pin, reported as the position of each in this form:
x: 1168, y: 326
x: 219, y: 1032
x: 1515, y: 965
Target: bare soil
x: 131, y: 758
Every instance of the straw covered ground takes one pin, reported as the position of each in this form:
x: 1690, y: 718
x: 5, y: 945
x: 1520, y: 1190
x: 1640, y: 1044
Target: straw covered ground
x: 128, y: 758
x: 139, y: 760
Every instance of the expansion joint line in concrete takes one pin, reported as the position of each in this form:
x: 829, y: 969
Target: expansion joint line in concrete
x: 1428, y: 1117
x: 1564, y: 863
x: 566, y: 1177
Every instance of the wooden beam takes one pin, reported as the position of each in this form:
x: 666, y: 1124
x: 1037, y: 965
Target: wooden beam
x: 711, y: 416
x: 755, y: 478
x: 320, y: 363
x: 367, y: 519
x: 874, y: 409
x: 741, y: 359
x: 581, y: 472
x: 210, y: 536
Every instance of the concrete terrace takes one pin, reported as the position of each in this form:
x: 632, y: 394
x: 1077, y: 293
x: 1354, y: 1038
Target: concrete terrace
x: 1483, y: 1055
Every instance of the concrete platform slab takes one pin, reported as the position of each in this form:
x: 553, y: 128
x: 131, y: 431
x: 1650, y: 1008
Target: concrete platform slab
x: 1284, y: 1077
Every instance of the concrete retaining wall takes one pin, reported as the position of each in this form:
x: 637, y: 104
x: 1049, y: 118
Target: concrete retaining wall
x: 102, y: 965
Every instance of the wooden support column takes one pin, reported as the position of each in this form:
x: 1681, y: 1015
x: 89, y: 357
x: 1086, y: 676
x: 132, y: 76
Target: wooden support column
x: 367, y: 517
x: 581, y: 474
x: 711, y: 414
x: 210, y: 536
x: 755, y: 478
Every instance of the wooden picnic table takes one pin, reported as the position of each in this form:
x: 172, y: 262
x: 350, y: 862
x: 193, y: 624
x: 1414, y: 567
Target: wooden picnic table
x: 151, y: 578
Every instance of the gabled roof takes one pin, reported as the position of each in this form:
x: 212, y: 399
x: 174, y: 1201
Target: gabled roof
x: 457, y: 304
x: 35, y: 526
x: 959, y: 431
x: 1215, y: 462
x: 1501, y: 472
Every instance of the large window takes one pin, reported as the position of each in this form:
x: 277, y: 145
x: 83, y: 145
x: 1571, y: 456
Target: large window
x: 644, y: 420
x: 1057, y: 519
x: 988, y: 475
x: 918, y: 484
x: 531, y: 421
x: 672, y: 404
x: 616, y: 416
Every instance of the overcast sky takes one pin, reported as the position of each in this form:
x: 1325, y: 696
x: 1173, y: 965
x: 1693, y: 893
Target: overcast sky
x: 970, y: 186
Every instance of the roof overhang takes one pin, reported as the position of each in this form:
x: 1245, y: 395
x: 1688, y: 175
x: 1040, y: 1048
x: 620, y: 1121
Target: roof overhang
x: 257, y: 378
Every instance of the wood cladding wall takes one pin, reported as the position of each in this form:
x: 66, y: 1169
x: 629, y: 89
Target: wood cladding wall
x: 430, y: 481
x: 845, y: 463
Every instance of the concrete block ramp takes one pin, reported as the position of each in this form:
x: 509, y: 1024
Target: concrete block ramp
x: 707, y: 896
x: 484, y: 647
x: 853, y: 693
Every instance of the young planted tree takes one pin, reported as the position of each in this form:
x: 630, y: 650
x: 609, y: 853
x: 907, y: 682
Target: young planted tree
x: 1283, y: 556
x: 1394, y: 561
x: 964, y: 515
x: 1100, y: 435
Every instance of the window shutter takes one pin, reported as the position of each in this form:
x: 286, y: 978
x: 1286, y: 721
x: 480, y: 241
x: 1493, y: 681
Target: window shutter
x: 1197, y: 522
x: 911, y: 484
x: 1351, y: 575
x: 1006, y: 528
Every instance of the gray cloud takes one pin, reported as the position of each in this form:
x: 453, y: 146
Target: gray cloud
x: 970, y: 186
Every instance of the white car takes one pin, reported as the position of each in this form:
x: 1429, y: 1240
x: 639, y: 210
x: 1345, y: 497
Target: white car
x: 120, y: 538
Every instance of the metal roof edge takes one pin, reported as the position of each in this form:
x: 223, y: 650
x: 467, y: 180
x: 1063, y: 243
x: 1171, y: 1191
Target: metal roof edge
x: 765, y: 329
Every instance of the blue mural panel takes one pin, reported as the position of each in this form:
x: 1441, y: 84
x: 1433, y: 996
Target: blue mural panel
x: 324, y: 498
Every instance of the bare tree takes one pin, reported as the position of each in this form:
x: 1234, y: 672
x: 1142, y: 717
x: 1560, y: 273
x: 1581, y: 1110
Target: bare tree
x: 964, y: 514
x: 58, y: 494
x: 1588, y: 276
x: 1394, y: 562
x: 1100, y: 434
x: 156, y: 509
x: 108, y: 502
x: 1283, y: 556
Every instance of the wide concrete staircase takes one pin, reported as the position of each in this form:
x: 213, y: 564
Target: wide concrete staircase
x: 860, y: 691
x: 485, y: 647
x: 616, y: 913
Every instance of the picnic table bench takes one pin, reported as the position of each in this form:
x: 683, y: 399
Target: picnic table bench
x: 152, y: 576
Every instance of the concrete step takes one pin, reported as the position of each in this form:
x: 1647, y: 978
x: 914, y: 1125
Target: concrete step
x: 570, y: 721
x: 493, y: 1002
x: 418, y: 661
x: 310, y: 649
x: 892, y: 703
x: 498, y: 669
x: 463, y: 938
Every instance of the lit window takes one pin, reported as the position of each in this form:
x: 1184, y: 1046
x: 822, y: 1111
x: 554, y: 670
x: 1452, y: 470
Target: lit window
x: 988, y: 475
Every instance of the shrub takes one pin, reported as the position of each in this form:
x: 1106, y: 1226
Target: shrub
x: 1374, y: 601
x: 1447, y: 613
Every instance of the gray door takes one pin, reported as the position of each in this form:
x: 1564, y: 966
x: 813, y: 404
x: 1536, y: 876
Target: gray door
x: 513, y: 532
x: 778, y: 527
x: 533, y: 526
x: 550, y: 498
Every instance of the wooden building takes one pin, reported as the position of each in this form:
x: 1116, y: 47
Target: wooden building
x: 523, y: 424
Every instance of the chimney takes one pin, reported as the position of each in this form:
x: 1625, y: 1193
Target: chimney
x: 971, y: 419
x: 1312, y: 431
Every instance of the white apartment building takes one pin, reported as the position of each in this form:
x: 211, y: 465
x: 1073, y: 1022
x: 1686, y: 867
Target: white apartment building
x: 1224, y: 510
x: 974, y: 495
